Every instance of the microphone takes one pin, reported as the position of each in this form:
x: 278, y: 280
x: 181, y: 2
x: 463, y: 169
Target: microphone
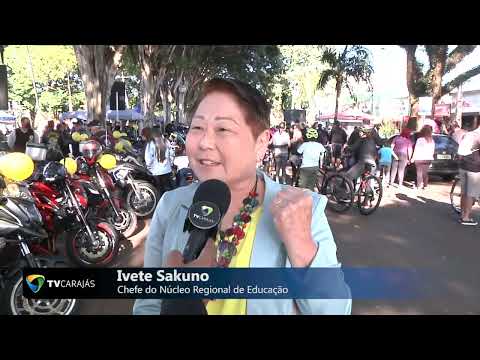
x: 210, y: 203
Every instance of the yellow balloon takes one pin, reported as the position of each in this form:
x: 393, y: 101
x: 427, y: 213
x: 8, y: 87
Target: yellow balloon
x: 123, y: 135
x: 70, y: 164
x: 119, y: 147
x: 117, y: 134
x: 84, y: 137
x: 126, y: 144
x: 107, y: 161
x: 76, y: 136
x: 16, y: 166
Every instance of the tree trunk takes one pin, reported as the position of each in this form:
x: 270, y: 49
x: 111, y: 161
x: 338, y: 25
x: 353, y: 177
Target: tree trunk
x: 181, y: 104
x: 166, y: 104
x: 149, y: 98
x: 338, y: 91
x: 154, y: 60
x: 438, y: 61
x: 70, y: 105
x: 98, y: 65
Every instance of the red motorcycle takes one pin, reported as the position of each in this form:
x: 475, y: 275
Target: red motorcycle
x: 105, y: 201
x: 63, y: 204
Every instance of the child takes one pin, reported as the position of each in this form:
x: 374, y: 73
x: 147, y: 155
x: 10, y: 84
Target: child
x: 385, y: 162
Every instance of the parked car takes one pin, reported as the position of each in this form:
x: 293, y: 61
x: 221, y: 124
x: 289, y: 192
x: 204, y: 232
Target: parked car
x: 445, y: 162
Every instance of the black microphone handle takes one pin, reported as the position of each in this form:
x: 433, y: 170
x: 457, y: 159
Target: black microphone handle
x: 195, y: 244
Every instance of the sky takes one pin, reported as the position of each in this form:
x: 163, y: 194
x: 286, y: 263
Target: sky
x: 389, y: 63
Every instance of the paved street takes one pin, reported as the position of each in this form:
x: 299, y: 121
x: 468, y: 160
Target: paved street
x: 409, y: 230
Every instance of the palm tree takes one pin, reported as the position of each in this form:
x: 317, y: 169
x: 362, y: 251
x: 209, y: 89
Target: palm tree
x: 351, y: 64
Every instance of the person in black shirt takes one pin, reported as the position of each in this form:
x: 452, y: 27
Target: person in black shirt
x: 365, y: 152
x: 338, y: 139
x: 18, y: 139
x: 322, y: 135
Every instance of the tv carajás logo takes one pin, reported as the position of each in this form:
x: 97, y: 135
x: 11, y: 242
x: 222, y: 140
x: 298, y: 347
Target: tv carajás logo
x: 206, y: 210
x: 35, y: 282
x: 204, y: 215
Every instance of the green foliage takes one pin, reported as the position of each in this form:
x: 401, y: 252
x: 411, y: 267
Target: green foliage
x: 302, y: 68
x: 387, y: 129
x: 352, y: 64
x: 51, y: 65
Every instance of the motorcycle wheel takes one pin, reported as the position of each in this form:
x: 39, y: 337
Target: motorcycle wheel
x: 149, y: 193
x: 12, y: 301
x: 104, y: 255
x: 127, y: 224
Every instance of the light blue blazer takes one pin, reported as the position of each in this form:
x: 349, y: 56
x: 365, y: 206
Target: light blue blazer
x: 166, y: 234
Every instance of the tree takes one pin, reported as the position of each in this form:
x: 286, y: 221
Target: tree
x: 430, y: 82
x: 302, y: 71
x: 353, y: 63
x: 98, y: 66
x: 55, y: 73
x: 177, y: 71
x: 154, y: 61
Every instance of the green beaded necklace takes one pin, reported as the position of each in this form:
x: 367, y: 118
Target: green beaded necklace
x: 230, y: 238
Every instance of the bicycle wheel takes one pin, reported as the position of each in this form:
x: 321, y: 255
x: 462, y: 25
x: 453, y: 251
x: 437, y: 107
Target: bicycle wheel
x: 369, y: 194
x: 321, y: 178
x: 339, y: 192
x: 455, y: 196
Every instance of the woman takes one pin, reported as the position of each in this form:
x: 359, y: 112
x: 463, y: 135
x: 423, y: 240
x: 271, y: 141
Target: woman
x: 281, y: 143
x: 228, y: 135
x: 402, y: 147
x: 423, y: 155
x: 295, y: 159
x: 158, y: 158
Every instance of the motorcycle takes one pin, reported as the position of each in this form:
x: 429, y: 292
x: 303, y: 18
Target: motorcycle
x: 104, y: 201
x: 136, y: 182
x: 21, y: 225
x: 63, y: 204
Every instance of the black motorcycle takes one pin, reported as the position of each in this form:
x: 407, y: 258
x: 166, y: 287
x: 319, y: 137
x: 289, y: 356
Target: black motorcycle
x: 136, y: 183
x: 21, y: 225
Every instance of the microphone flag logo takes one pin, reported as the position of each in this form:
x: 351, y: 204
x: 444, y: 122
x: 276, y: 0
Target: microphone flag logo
x: 206, y: 210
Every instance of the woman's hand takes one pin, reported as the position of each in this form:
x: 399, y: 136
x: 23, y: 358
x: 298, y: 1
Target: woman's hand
x: 292, y: 215
x: 207, y: 258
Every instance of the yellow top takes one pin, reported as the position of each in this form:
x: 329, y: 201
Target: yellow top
x: 240, y: 260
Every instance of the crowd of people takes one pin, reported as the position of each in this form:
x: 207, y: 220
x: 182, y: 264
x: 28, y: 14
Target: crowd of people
x: 304, y: 148
x: 158, y: 150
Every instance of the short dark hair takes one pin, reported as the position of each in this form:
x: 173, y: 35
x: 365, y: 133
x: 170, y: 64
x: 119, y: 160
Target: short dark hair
x: 252, y: 102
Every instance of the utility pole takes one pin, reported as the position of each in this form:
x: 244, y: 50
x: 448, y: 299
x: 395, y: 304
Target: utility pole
x: 37, y: 103
x: 70, y: 105
x: 458, y: 114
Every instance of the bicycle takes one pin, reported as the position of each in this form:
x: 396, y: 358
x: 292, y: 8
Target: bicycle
x: 369, y: 192
x: 268, y: 164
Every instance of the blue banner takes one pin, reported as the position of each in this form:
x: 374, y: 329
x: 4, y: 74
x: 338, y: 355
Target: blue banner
x: 218, y: 283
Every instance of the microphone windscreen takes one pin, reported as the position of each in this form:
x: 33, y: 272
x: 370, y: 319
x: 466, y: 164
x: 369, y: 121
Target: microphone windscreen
x: 215, y: 191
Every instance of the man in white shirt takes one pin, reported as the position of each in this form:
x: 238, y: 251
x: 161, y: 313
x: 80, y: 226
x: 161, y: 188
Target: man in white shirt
x: 312, y: 158
x: 281, y: 143
x: 469, y: 172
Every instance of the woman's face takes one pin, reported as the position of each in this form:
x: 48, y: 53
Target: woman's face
x: 220, y: 144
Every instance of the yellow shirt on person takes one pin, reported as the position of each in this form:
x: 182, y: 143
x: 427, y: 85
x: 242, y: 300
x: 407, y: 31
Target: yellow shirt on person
x: 240, y: 260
